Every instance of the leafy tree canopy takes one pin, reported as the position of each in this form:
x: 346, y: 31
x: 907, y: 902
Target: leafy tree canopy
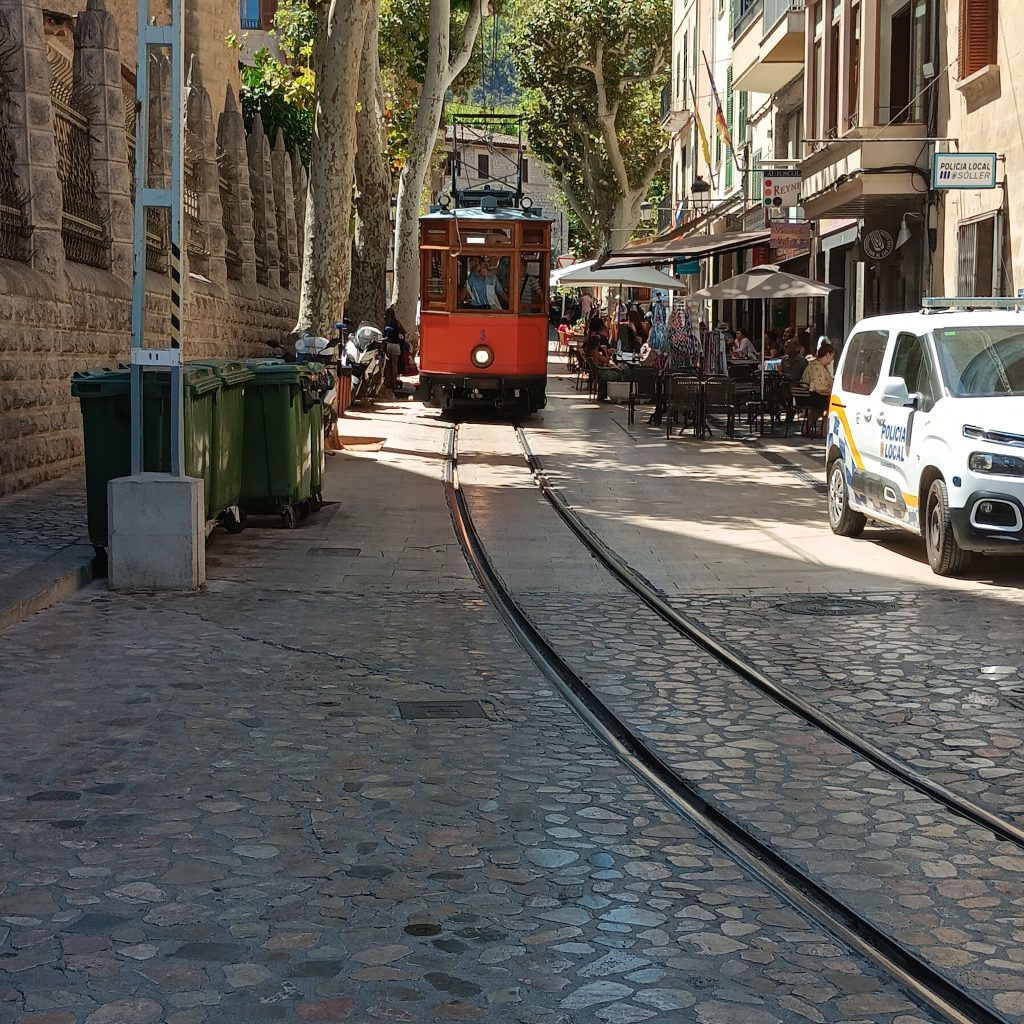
x: 594, y: 71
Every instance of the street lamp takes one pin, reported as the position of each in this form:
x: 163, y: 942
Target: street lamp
x: 646, y: 212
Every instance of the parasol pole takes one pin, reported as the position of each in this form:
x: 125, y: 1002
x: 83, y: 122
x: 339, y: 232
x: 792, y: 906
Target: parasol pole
x: 764, y: 334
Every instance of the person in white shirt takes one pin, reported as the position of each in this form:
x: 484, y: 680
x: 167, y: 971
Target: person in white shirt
x: 742, y: 346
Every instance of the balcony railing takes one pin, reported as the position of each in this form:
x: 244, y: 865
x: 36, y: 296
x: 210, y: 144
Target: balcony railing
x: 745, y: 13
x: 776, y: 10
x: 251, y: 24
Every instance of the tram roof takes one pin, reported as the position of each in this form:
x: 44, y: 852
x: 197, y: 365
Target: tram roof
x: 473, y: 213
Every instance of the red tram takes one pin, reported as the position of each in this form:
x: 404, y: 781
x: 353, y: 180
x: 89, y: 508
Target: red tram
x: 483, y: 308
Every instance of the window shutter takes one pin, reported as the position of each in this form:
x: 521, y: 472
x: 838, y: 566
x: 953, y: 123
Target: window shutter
x: 741, y: 131
x: 978, y: 21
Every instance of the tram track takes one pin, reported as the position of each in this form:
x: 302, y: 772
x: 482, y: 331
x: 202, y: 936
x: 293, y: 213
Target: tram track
x: 796, y: 887
x: 643, y: 589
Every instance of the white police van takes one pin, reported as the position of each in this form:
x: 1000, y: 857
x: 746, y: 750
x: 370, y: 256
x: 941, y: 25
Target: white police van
x: 926, y: 428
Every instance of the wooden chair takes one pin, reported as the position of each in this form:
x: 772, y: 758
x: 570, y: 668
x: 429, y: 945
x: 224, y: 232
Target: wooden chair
x: 801, y: 400
x: 643, y: 386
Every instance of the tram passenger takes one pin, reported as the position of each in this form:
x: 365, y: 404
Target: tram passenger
x: 483, y: 289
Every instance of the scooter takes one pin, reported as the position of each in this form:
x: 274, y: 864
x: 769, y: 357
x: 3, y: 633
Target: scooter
x: 366, y: 355
x: 323, y: 352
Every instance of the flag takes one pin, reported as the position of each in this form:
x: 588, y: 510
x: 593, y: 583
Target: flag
x: 700, y: 129
x: 720, y: 122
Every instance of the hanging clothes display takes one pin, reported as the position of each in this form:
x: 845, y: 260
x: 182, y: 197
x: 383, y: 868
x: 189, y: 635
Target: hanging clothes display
x: 685, y: 345
x: 659, y: 324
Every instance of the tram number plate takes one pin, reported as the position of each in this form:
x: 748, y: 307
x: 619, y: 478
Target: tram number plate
x: 484, y: 383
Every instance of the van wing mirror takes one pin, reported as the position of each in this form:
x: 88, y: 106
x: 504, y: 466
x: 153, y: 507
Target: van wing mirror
x: 894, y: 392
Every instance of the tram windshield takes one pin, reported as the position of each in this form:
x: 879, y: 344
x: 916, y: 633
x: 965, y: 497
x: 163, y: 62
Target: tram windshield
x: 483, y: 282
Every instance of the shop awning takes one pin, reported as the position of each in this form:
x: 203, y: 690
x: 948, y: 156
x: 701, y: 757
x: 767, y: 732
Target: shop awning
x: 678, y: 245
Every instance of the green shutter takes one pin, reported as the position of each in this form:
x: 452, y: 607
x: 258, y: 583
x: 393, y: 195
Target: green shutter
x: 756, y: 180
x: 741, y: 131
x: 729, y: 122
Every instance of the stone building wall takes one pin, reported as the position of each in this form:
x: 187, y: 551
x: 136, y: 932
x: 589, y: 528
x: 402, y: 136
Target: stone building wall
x: 65, y: 253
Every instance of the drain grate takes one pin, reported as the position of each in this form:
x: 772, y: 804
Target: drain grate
x: 440, y: 709
x: 334, y: 552
x: 831, y: 607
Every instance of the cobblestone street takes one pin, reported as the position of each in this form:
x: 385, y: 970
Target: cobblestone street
x: 331, y: 787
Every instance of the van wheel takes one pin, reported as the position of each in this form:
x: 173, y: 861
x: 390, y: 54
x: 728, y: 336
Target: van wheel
x: 945, y: 556
x: 845, y: 522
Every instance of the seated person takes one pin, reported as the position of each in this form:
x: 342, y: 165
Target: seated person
x: 793, y: 362
x: 647, y: 356
x: 564, y: 330
x: 602, y: 365
x: 819, y: 381
x: 742, y: 347
x: 483, y: 289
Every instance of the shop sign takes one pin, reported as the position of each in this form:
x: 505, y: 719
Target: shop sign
x: 781, y: 189
x: 686, y: 268
x: 791, y: 239
x: 963, y: 170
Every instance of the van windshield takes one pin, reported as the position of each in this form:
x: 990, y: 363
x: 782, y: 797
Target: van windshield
x: 981, y: 362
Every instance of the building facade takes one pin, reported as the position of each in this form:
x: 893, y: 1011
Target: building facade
x: 854, y: 98
x: 67, y: 164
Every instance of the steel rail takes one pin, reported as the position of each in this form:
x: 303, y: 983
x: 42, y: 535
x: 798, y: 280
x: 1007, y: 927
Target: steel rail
x: 798, y: 890
x: 643, y: 589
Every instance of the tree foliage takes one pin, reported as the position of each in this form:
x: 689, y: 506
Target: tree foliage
x: 282, y: 92
x: 593, y: 71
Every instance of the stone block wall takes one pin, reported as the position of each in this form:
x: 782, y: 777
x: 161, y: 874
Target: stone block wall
x: 58, y: 315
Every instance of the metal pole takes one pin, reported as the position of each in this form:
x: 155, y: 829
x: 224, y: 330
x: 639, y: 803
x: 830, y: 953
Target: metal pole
x: 171, y: 37
x: 177, y: 275
x: 139, y: 280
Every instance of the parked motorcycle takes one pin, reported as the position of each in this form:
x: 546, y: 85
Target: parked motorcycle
x: 324, y: 353
x: 365, y: 353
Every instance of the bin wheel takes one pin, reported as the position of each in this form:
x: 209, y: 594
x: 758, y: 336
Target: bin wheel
x: 235, y: 522
x: 317, y: 501
x: 303, y: 509
x: 289, y: 520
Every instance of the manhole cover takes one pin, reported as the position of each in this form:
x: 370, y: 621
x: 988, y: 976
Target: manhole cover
x: 828, y: 607
x: 333, y: 552
x: 440, y: 709
x: 422, y: 928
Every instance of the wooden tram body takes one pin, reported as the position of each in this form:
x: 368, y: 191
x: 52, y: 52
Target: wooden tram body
x: 484, y: 308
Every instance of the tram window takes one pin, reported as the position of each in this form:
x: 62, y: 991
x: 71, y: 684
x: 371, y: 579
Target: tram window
x: 489, y: 235
x: 483, y: 282
x: 533, y: 234
x: 533, y: 277
x: 434, y: 290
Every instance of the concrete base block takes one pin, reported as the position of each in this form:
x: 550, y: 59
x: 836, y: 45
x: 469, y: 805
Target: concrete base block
x: 157, y: 532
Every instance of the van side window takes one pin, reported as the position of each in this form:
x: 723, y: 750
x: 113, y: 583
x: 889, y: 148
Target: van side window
x: 910, y: 361
x: 862, y: 365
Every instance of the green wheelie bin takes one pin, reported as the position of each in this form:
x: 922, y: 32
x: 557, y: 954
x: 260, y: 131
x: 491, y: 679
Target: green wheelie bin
x: 105, y: 399
x: 228, y: 436
x: 278, y: 452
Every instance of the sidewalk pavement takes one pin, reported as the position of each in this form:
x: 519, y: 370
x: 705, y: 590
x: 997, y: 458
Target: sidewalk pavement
x: 45, y: 555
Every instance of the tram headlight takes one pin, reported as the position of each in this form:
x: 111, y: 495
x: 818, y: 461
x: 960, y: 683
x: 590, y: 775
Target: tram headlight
x: 482, y: 356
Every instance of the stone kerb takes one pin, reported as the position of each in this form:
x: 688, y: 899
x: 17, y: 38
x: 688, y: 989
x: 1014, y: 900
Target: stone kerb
x: 31, y: 124
x: 236, y: 194
x: 97, y: 70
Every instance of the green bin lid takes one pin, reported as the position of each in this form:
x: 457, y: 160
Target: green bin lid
x: 231, y: 372
x: 100, y: 383
x: 277, y: 371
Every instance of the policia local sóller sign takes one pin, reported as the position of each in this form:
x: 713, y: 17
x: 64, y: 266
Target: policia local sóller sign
x: 964, y: 170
